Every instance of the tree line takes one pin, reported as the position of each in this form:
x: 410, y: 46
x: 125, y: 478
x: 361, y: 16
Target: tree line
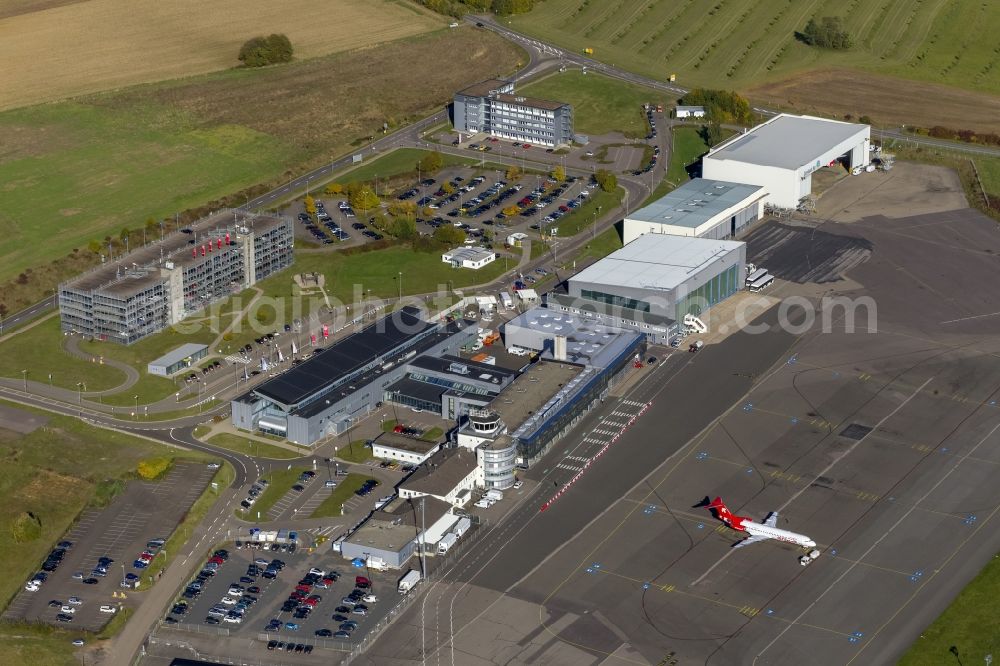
x: 459, y: 8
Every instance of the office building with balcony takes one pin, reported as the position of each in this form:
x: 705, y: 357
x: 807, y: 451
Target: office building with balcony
x: 491, y: 107
x: 140, y: 293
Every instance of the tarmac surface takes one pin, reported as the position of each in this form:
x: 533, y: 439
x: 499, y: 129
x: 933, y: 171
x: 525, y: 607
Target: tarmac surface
x: 881, y: 446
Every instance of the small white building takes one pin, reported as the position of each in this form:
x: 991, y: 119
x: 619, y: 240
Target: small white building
x: 689, y: 112
x: 527, y: 295
x: 390, y: 446
x: 469, y: 257
x: 782, y: 154
x: 486, y: 303
x: 449, y: 475
x: 515, y: 239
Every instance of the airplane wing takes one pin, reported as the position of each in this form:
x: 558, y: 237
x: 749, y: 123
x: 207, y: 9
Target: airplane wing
x: 772, y: 519
x: 749, y: 540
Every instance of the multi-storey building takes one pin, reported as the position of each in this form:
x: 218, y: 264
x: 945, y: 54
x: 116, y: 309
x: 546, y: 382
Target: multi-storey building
x: 491, y: 107
x: 135, y: 295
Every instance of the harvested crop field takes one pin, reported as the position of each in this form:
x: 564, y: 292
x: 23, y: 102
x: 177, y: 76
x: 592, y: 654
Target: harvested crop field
x: 53, y: 50
x: 887, y: 100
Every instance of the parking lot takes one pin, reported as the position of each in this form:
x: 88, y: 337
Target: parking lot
x: 144, y: 511
x: 470, y: 198
x: 271, y: 614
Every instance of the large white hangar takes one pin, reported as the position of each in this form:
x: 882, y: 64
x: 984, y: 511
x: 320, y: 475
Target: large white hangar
x: 700, y: 207
x: 782, y: 154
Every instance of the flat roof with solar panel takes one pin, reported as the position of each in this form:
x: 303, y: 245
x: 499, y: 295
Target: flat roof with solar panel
x: 345, y: 357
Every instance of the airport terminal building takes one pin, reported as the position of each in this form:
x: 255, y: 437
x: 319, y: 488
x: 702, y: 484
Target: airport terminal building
x: 491, y: 107
x: 781, y: 155
x: 341, y: 384
x: 160, y: 284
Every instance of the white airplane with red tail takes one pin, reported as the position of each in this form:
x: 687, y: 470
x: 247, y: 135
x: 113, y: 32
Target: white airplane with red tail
x: 757, y: 531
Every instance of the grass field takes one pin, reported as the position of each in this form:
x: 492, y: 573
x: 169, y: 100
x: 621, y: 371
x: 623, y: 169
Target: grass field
x: 605, y: 243
x: 38, y: 644
x: 345, y: 488
x: 688, y: 146
x: 77, y: 171
x: 355, y: 452
x: 251, y: 447
x: 279, y: 483
x: 402, y: 161
x: 600, y: 104
x: 40, y: 352
x: 740, y: 43
x: 54, y: 472
x: 155, y: 41
x: 968, y: 624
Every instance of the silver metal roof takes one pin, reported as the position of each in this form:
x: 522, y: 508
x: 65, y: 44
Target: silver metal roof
x: 178, y: 354
x: 788, y: 141
x: 656, y: 261
x: 696, y: 202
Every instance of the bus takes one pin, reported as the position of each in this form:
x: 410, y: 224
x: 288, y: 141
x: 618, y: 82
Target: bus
x: 753, y: 277
x: 761, y: 283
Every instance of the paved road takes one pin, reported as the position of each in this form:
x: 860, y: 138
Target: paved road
x: 13, y: 321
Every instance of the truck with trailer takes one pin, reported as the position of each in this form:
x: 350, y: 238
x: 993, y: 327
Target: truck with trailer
x: 507, y: 300
x: 493, y: 494
x: 461, y: 527
x: 446, y: 542
x: 409, y: 581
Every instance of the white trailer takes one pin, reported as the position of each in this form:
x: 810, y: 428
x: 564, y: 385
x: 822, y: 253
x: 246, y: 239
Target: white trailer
x: 409, y: 581
x: 461, y: 527
x: 446, y: 542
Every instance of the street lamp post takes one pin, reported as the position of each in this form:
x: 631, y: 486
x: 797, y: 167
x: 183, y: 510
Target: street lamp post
x: 400, y: 288
x: 136, y: 398
x: 24, y: 376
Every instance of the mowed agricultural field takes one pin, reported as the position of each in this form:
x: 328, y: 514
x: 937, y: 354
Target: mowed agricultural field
x: 79, y: 170
x: 600, y: 104
x: 742, y: 43
x: 56, y: 50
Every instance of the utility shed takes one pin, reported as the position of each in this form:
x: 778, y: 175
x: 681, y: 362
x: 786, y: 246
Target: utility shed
x: 178, y: 359
x: 782, y: 154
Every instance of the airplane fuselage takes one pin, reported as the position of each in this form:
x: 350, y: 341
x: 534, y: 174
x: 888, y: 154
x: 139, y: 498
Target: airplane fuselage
x: 757, y: 529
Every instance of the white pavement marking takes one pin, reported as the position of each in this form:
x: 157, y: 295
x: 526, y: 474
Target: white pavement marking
x: 952, y: 321
x: 889, y: 531
x: 823, y: 473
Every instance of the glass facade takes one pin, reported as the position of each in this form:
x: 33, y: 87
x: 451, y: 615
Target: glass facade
x: 614, y: 299
x: 719, y: 288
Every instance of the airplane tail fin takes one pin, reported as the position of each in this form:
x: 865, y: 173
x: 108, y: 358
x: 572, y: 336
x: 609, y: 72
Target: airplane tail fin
x: 721, y: 510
